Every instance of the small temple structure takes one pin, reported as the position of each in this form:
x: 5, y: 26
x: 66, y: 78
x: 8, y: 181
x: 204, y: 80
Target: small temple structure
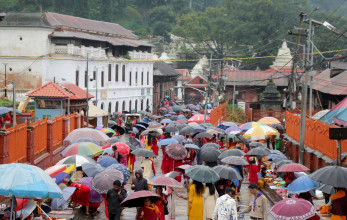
x: 271, y: 97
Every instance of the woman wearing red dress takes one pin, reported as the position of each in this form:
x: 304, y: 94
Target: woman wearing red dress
x: 162, y: 202
x: 81, y: 195
x: 253, y: 171
x: 155, y: 148
x: 165, y: 164
x: 149, y: 211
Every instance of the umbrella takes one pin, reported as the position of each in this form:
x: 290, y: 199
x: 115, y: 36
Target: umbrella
x: 78, y: 160
x: 272, y: 156
x: 202, y: 174
x: 229, y: 124
x: 233, y: 128
x: 231, y: 152
x: 108, y: 131
x: 188, y: 141
x: 91, y: 170
x: 4, y: 110
x: 135, y: 142
x: 162, y: 109
x: 172, y: 174
x: 87, y: 149
x: 331, y: 175
x: 85, y: 140
x: 199, y: 118
x: 101, y: 138
x: 120, y: 130
x: 94, y: 197
x: 302, y: 184
x: 140, y: 127
x: 167, y: 115
x: 186, y: 130
x: 245, y: 127
x: 204, y: 135
x: 209, y: 154
x: 104, y: 180
x: 292, y: 209
x: 143, y: 152
x: 115, y: 140
x: 343, y: 157
x: 207, y: 125
x: 183, y: 168
x: 181, y: 117
x: 277, y: 126
x: 155, y: 126
x: 135, y: 130
x: 122, y: 168
x: 61, y: 202
x: 198, y: 129
x: 166, y: 121
x: 233, y: 136
x: 269, y: 120
x: 23, y: 180
x: 293, y: 167
x: 181, y: 122
x: 110, y: 122
x: 136, y: 199
x: 173, y: 118
x: 283, y: 162
x: 259, y: 151
x: 320, y: 114
x: 256, y: 144
x: 214, y: 145
x: 122, y: 148
x: 54, y: 170
x: 176, y: 151
x: 106, y: 161
x: 327, y: 189
x: 59, y: 178
x: 260, y: 132
x: 168, y: 141
x: 228, y: 173
x: 171, y: 129
x: 192, y: 147
x: 181, y: 126
x: 28, y: 208
x: 179, y: 138
x: 176, y: 108
x: 165, y: 181
x: 235, y: 160
x: 143, y: 123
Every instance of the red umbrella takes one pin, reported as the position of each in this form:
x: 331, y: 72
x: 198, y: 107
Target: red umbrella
x: 136, y: 199
x: 165, y: 181
x: 176, y: 151
x: 122, y: 148
x: 293, y: 167
x: 199, y: 118
x: 292, y: 209
x: 162, y: 109
x: 183, y: 168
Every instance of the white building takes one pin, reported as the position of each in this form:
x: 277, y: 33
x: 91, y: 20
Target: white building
x: 42, y: 47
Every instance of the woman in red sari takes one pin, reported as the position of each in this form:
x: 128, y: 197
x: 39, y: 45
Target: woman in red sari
x: 154, y: 143
x: 165, y: 164
x: 253, y: 171
x: 81, y: 195
x: 149, y: 211
x: 162, y: 202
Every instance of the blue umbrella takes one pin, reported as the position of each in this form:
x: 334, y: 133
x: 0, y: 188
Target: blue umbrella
x: 60, y: 177
x: 271, y: 156
x: 222, y: 127
x: 181, y: 117
x: 167, y: 121
x: 122, y: 168
x: 107, y: 161
x: 167, y: 141
x: 135, y: 130
x: 61, y: 202
x: 302, y: 184
x: 108, y: 151
x: 167, y: 115
x: 23, y: 180
x: 140, y: 126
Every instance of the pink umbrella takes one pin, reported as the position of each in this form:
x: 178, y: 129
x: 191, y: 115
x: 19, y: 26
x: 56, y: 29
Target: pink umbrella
x: 292, y: 209
x: 55, y: 170
x: 199, y: 118
x: 96, y: 135
x: 176, y: 151
x: 293, y: 167
x: 136, y: 199
x: 183, y: 168
x: 165, y: 181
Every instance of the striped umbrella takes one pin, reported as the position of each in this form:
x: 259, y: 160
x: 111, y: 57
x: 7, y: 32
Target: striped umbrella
x: 320, y: 114
x: 245, y: 127
x: 108, y: 130
x: 269, y: 120
x: 77, y: 160
x: 87, y: 149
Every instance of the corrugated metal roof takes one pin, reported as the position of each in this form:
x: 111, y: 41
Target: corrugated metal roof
x: 160, y: 68
x: 334, y: 86
x: 255, y: 77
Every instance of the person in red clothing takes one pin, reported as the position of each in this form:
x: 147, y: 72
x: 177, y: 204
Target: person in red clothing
x: 221, y: 143
x: 154, y: 145
x: 81, y: 195
x: 253, y: 171
x: 119, y: 121
x: 165, y: 164
x: 162, y: 202
x: 8, y: 120
x: 149, y: 211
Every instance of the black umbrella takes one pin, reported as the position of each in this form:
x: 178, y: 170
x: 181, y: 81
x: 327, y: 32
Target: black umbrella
x: 135, y: 142
x: 144, y: 124
x: 209, y: 154
x: 181, y: 126
x: 143, y: 152
x: 211, y: 145
x: 204, y: 135
x: 259, y: 151
x: 331, y: 175
x: 119, y: 129
x: 256, y: 144
x: 192, y: 147
x: 235, y: 160
x: 277, y: 126
x: 231, y: 152
x: 228, y: 173
x: 327, y: 189
x: 186, y: 130
x: 171, y: 129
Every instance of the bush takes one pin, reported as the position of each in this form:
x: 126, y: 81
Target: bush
x: 238, y: 115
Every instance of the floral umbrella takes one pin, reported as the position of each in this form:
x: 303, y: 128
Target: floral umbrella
x: 292, y: 209
x: 176, y: 151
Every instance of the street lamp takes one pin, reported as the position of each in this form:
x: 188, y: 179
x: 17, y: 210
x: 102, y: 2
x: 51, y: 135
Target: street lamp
x: 5, y: 64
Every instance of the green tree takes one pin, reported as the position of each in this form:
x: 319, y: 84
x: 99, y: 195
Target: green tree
x: 162, y: 19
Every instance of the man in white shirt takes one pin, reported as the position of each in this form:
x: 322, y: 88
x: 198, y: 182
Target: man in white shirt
x: 225, y: 208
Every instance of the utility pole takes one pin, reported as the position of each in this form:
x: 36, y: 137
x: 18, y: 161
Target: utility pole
x: 5, y: 64
x: 14, y: 103
x: 87, y: 108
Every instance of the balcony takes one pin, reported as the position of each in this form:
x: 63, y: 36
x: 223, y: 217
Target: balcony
x: 138, y: 55
x: 70, y: 49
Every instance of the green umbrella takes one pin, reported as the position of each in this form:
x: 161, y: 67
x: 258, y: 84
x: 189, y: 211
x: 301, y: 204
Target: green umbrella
x: 233, y: 136
x: 176, y: 108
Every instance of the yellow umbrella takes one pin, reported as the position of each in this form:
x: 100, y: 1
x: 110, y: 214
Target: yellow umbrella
x: 260, y: 133
x: 269, y: 120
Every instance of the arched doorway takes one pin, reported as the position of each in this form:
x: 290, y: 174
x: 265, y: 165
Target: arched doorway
x: 102, y: 106
x: 116, y: 108
x: 141, y: 104
x: 130, y: 106
x: 136, y: 105
x: 147, y: 105
x: 109, y: 107
x: 123, y: 106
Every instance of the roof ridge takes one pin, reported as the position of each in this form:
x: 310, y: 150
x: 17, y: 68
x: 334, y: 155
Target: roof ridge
x: 39, y: 92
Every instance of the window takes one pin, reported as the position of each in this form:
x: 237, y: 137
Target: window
x: 117, y: 73
x: 141, y: 80
x: 136, y: 105
x: 102, y: 106
x: 136, y: 79
x: 102, y: 79
x: 201, y: 81
x: 123, y: 73
x: 147, y: 78
x: 77, y: 77
x: 116, y: 108
x: 141, y: 104
x: 109, y: 72
x: 130, y: 106
x: 147, y: 105
x: 94, y: 75
x: 123, y: 106
x: 109, y: 107
x: 85, y: 79
x: 130, y: 78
